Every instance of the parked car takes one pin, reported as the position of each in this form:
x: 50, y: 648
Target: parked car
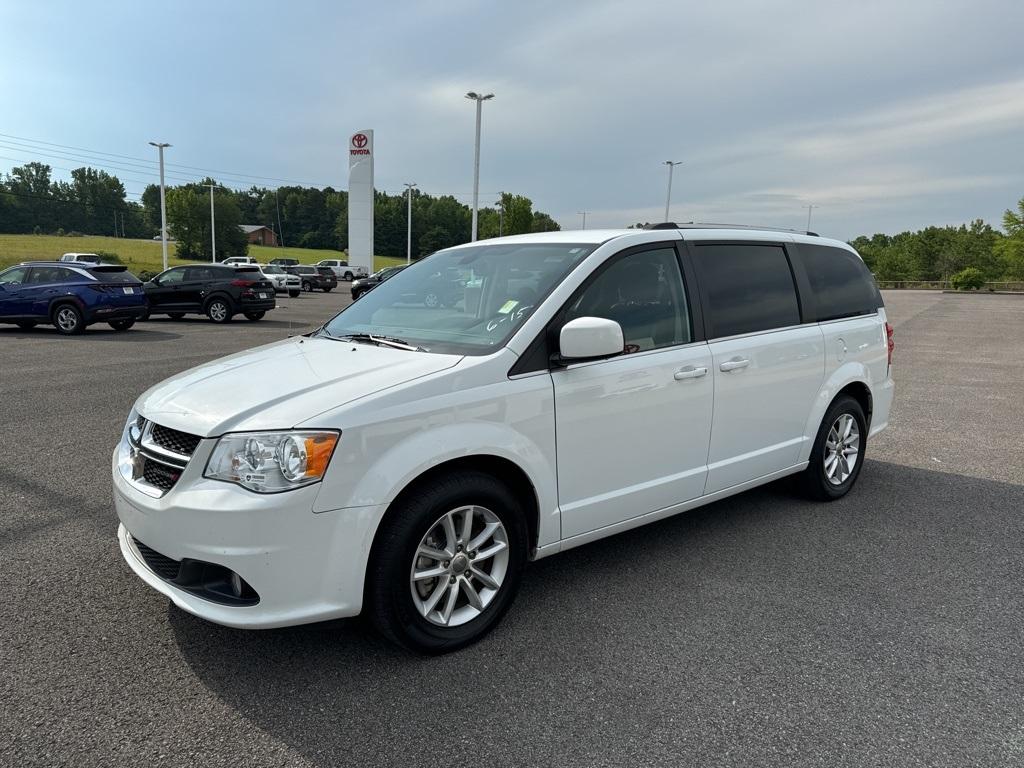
x: 585, y: 383
x: 71, y: 296
x: 314, y: 278
x: 219, y: 291
x: 81, y: 258
x: 361, y: 286
x: 341, y: 268
x: 240, y: 260
x: 282, y: 262
x: 283, y: 281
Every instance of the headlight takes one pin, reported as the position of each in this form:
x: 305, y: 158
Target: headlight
x: 270, y: 462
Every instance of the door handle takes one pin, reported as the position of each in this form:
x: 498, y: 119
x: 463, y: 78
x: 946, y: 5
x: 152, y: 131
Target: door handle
x: 689, y: 372
x: 733, y: 365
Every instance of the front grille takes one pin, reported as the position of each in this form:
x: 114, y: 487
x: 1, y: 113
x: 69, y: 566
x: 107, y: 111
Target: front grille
x: 159, y: 475
x: 172, y: 440
x: 161, y: 565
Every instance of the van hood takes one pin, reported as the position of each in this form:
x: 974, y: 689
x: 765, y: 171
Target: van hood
x: 280, y: 385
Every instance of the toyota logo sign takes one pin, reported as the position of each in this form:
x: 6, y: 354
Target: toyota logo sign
x: 359, y: 140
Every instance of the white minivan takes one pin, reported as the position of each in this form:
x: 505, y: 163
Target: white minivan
x: 406, y: 461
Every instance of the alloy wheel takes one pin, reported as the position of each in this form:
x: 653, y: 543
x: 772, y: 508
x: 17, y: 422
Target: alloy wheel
x: 218, y: 311
x: 67, y: 319
x: 842, y: 448
x: 459, y: 566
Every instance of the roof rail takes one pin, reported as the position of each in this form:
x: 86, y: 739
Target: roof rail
x: 701, y: 225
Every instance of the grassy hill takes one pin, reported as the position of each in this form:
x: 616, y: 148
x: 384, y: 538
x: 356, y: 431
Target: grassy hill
x: 143, y: 255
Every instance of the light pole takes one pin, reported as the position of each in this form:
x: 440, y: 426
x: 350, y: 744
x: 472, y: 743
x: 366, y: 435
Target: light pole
x: 280, y: 232
x: 213, y: 226
x: 408, y: 237
x: 163, y: 202
x: 584, y: 215
x: 501, y: 214
x: 668, y: 198
x: 809, y: 209
x: 476, y: 156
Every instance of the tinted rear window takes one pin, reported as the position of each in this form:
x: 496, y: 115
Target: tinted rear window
x: 253, y: 268
x: 842, y: 283
x: 749, y: 288
x: 114, y: 275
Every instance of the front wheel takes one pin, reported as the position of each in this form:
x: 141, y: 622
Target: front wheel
x: 328, y: 289
x: 838, y: 452
x: 294, y: 294
x: 218, y: 311
x: 307, y: 286
x: 121, y: 325
x: 447, y: 563
x: 254, y: 316
x: 348, y: 276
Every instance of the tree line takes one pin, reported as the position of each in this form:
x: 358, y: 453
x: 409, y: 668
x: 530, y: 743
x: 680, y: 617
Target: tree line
x: 94, y: 203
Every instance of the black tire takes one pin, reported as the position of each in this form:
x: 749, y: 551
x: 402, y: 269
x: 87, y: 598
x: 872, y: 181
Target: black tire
x: 356, y: 295
x: 175, y: 315
x: 307, y: 286
x: 348, y: 276
x: 218, y: 310
x: 68, y: 320
x: 121, y: 325
x: 294, y: 294
x: 389, y: 600
x: 432, y: 300
x: 328, y: 289
x: 26, y: 325
x: 813, y: 482
x: 254, y: 316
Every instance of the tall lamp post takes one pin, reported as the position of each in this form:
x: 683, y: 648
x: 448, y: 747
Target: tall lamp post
x: 584, y: 215
x: 809, y: 209
x: 408, y: 236
x: 213, y: 225
x: 668, y: 198
x: 163, y: 201
x: 479, y: 99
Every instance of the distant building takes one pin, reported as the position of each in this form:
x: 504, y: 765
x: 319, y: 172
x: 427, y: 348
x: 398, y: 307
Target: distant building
x: 257, y: 234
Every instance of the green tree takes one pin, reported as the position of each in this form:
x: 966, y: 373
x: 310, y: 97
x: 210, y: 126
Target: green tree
x: 188, y: 219
x: 1009, y: 250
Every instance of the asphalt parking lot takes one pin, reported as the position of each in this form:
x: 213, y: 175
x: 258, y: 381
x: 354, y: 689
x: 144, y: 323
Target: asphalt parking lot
x: 884, y: 629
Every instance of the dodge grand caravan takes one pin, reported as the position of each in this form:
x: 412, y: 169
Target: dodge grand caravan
x: 405, y: 461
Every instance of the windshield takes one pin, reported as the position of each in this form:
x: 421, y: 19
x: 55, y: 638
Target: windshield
x: 272, y: 269
x: 464, y: 300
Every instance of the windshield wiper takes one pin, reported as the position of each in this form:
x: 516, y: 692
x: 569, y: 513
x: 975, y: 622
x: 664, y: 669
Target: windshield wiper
x: 384, y: 341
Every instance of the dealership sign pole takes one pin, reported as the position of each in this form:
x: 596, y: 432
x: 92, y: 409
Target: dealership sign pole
x: 360, y: 200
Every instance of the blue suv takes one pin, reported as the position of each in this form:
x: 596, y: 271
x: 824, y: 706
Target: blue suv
x: 71, y: 296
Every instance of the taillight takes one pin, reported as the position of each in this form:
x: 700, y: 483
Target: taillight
x: 243, y: 283
x: 889, y: 340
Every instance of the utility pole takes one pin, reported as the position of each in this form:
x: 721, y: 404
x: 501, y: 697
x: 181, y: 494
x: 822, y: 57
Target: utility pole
x: 408, y: 238
x: 163, y: 202
x: 476, y: 156
x: 809, y: 209
x: 280, y: 232
x: 668, y: 198
x: 213, y: 226
x: 501, y: 214
x: 584, y: 214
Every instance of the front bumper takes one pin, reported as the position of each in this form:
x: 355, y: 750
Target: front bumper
x: 304, y: 566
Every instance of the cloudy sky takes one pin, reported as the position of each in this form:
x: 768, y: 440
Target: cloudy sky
x: 887, y: 115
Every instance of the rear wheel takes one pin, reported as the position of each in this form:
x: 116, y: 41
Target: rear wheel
x: 307, y: 286
x: 838, y: 452
x: 447, y: 563
x: 254, y: 315
x: 432, y: 300
x: 218, y: 311
x: 328, y: 289
x: 175, y: 315
x: 68, y: 320
x: 294, y: 294
x: 348, y: 276
x: 26, y: 325
x: 121, y: 325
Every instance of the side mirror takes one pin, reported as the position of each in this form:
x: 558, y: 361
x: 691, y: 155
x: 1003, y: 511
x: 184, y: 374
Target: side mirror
x: 589, y: 338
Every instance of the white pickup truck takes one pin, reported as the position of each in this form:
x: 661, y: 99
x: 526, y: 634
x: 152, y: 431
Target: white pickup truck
x: 341, y: 268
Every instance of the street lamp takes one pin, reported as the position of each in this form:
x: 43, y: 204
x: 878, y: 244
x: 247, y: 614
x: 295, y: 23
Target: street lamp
x: 408, y: 239
x: 668, y: 198
x: 809, y: 209
x: 476, y: 156
x: 163, y: 202
x: 584, y: 215
x: 213, y: 225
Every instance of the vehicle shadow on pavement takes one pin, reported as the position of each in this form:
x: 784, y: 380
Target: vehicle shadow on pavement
x: 884, y: 627
x: 136, y: 334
